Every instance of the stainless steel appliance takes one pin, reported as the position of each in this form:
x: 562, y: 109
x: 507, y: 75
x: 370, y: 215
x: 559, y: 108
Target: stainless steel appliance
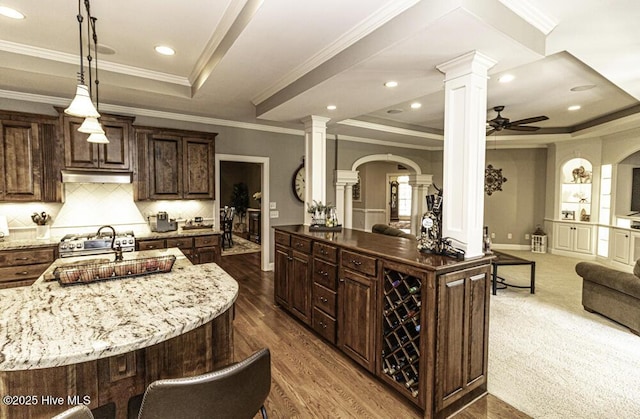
x: 94, y: 244
x: 163, y: 223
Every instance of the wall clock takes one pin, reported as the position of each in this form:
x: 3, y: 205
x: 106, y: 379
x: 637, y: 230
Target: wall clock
x: 298, y: 181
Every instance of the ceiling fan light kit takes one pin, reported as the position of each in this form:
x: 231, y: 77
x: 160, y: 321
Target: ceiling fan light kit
x: 500, y: 123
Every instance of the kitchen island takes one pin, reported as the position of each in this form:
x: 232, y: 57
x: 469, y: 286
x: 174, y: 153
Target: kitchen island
x: 103, y: 343
x: 418, y: 322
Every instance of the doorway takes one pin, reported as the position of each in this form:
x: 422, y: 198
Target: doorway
x: 262, y: 166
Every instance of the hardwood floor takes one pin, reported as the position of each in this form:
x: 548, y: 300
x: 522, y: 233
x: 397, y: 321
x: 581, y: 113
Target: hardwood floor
x: 311, y: 378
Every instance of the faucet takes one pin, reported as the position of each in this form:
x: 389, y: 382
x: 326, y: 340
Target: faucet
x: 117, y: 249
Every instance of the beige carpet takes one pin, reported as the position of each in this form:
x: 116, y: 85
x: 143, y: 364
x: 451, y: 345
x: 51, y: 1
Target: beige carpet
x: 550, y: 358
x: 241, y: 246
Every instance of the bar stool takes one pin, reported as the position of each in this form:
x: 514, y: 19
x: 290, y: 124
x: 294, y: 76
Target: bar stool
x: 226, y: 217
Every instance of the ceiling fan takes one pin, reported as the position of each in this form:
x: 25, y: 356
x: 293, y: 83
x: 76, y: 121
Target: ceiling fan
x: 499, y: 122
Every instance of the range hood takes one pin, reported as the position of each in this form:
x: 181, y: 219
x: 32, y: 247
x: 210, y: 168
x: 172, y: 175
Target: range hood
x: 78, y: 176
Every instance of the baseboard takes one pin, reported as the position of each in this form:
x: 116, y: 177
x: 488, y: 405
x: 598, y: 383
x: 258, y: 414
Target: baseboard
x: 572, y: 254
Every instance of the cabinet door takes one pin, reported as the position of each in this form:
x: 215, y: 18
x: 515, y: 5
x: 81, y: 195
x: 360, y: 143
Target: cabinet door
x: 300, y: 286
x: 564, y: 236
x: 583, y: 239
x: 207, y: 255
x: 281, y: 276
x: 20, y: 162
x: 150, y: 244
x: 357, y: 320
x: 116, y: 154
x: 620, y: 243
x: 78, y: 153
x: 462, y: 334
x: 198, y: 164
x: 165, y: 167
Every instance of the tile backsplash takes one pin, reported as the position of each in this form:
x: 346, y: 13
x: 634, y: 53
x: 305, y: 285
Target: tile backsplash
x: 88, y: 206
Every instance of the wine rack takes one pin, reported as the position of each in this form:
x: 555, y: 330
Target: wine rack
x: 401, y: 329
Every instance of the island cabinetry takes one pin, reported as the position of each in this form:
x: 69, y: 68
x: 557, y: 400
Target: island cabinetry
x: 22, y: 267
x: 462, y: 335
x: 174, y: 164
x: 325, y: 273
x: 405, y: 350
x: 293, y: 275
x: 199, y: 249
x: 26, y: 142
x: 115, y: 155
x: 357, y: 307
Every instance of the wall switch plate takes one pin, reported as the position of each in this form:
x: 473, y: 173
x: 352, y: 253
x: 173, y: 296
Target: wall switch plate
x: 274, y: 214
x: 493, y: 235
x: 272, y: 205
x: 526, y: 237
x: 509, y: 236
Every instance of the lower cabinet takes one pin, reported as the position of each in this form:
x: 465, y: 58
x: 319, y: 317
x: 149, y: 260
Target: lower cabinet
x: 199, y: 249
x: 421, y: 328
x: 574, y: 237
x: 22, y: 267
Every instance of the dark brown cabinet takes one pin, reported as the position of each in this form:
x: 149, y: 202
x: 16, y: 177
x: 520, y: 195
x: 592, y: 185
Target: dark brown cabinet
x: 116, y: 155
x: 28, y: 158
x: 22, y: 267
x: 293, y: 276
x: 199, y: 249
x: 324, y: 294
x: 174, y: 164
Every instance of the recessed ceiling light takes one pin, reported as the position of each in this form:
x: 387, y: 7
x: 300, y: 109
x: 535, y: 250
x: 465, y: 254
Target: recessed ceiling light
x: 573, y: 107
x: 12, y: 13
x: 416, y: 105
x: 506, y: 78
x: 164, y: 50
x: 583, y: 88
x: 391, y: 84
x: 332, y: 107
x: 394, y: 111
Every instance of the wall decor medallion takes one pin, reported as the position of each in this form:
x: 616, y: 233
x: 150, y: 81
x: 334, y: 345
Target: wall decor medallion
x: 493, y: 180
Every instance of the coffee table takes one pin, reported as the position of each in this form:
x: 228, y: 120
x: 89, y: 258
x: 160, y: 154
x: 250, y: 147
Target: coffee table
x: 503, y: 259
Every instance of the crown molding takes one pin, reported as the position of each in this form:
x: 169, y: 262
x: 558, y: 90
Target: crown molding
x: 532, y: 15
x: 66, y: 58
x: 373, y: 22
x: 393, y: 130
x: 383, y: 143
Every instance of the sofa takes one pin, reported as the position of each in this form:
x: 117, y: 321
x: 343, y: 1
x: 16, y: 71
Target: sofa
x: 612, y: 293
x: 391, y: 231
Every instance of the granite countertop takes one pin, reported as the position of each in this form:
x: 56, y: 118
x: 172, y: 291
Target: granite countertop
x: 48, y: 325
x: 11, y: 244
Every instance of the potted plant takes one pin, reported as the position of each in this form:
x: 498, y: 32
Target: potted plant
x: 240, y: 201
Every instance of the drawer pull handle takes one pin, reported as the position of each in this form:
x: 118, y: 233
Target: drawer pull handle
x: 299, y: 244
x: 341, y: 279
x: 356, y: 262
x: 151, y: 247
x: 22, y: 273
x: 289, y: 257
x: 324, y: 326
x: 23, y: 258
x: 324, y: 252
x: 323, y: 299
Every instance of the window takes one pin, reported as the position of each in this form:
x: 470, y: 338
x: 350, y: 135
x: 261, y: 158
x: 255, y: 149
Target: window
x: 404, y: 197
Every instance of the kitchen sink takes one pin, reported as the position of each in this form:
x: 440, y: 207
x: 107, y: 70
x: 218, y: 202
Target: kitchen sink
x: 102, y: 269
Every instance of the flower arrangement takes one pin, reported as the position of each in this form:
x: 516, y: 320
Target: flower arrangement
x: 322, y: 214
x: 257, y: 196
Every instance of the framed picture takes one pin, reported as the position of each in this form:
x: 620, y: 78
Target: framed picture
x: 568, y: 215
x: 355, y: 195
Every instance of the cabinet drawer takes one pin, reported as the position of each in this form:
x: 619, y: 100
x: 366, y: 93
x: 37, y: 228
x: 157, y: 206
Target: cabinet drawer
x: 26, y: 257
x: 324, y: 325
x: 150, y: 244
x: 359, y: 263
x: 283, y: 238
x: 206, y: 241
x: 325, y: 252
x: 14, y: 273
x: 324, y: 273
x: 181, y: 243
x: 300, y: 244
x: 324, y: 299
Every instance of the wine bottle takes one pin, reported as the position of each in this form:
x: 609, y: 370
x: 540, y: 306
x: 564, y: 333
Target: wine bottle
x: 414, y: 290
x: 411, y: 379
x: 399, y: 377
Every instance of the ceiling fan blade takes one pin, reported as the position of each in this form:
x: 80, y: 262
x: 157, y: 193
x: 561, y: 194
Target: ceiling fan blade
x: 521, y: 128
x: 491, y: 131
x: 530, y: 120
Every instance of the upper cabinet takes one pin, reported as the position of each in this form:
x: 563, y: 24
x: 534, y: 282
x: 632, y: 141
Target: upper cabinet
x: 576, y: 190
x: 28, y: 158
x: 174, y: 164
x: 116, y: 155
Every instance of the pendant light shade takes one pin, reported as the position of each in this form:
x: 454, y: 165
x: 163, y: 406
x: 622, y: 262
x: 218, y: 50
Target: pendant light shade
x: 91, y: 125
x: 98, y: 138
x: 81, y: 105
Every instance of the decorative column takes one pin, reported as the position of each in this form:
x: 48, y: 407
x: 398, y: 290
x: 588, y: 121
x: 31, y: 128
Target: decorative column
x: 315, y: 161
x: 345, y: 179
x: 419, y: 190
x: 465, y: 113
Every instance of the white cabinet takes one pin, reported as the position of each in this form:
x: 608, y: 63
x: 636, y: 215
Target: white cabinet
x: 573, y: 237
x: 625, y: 246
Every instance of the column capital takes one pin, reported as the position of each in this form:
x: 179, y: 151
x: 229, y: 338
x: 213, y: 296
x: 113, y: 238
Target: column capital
x: 314, y: 121
x: 471, y: 62
x: 346, y: 177
x: 420, y: 180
